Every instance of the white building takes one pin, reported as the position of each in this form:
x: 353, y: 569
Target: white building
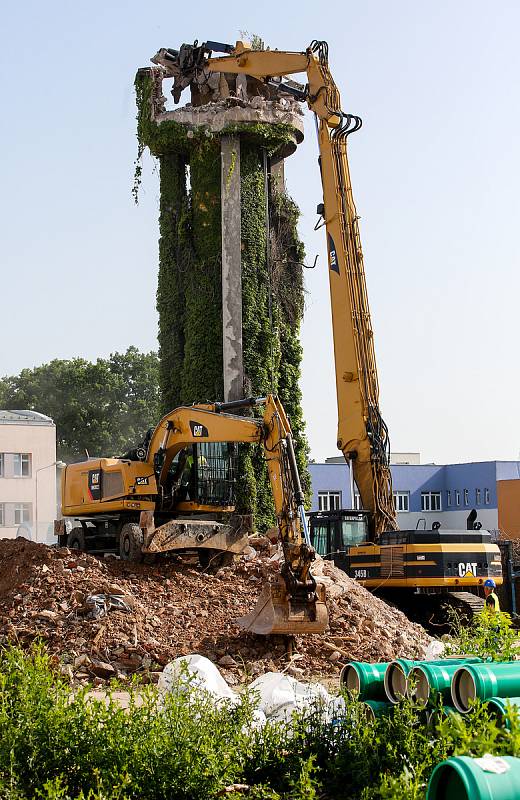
x: 27, y: 474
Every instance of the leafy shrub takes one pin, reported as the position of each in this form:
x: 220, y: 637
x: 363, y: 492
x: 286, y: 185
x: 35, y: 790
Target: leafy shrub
x: 59, y: 745
x: 489, y: 636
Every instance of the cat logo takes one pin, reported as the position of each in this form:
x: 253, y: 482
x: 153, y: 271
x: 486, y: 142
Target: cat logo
x: 467, y: 569
x: 198, y: 431
x: 141, y: 481
x: 333, y: 258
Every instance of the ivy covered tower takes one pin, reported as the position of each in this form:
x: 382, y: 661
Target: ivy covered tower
x: 230, y: 291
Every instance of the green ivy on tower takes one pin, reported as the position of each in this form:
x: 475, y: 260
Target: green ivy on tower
x: 189, y: 292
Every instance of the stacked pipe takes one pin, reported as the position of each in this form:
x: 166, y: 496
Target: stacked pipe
x: 459, y: 682
x: 380, y: 687
x: 464, y: 778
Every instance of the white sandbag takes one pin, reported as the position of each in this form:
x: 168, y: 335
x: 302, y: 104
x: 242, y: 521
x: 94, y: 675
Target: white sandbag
x: 199, y: 672
x: 281, y: 694
x: 435, y: 650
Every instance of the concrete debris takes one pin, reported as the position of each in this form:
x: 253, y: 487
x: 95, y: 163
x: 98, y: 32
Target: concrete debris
x: 173, y: 609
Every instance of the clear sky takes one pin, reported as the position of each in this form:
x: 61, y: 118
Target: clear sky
x: 435, y: 171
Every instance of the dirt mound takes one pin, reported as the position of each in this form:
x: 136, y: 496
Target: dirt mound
x: 175, y: 609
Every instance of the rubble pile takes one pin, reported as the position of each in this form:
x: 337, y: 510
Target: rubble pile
x: 107, y: 618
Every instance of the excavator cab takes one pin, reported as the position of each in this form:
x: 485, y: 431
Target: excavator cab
x: 334, y: 532
x: 201, y: 477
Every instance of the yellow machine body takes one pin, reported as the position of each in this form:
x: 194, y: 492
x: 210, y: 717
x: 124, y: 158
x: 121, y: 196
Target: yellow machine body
x: 136, y: 501
x: 107, y: 485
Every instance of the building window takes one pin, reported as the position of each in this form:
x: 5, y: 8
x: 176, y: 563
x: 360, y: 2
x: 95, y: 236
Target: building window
x: 357, y: 502
x: 402, y: 501
x: 329, y: 501
x: 22, y: 465
x: 457, y: 497
x: 2, y: 514
x: 478, y: 496
x: 448, y: 497
x: 431, y: 501
x: 487, y: 499
x: 1, y: 465
x: 466, y: 497
x: 22, y: 513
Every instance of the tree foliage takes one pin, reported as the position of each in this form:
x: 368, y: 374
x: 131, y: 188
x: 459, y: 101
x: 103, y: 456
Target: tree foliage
x: 104, y: 406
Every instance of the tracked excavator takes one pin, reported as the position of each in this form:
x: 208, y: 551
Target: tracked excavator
x: 418, y: 568
x: 175, y: 492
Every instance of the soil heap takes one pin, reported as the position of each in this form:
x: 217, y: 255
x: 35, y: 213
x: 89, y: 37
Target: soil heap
x: 175, y: 609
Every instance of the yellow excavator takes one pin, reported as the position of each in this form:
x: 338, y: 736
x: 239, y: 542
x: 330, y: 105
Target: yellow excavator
x: 173, y: 494
x: 421, y: 565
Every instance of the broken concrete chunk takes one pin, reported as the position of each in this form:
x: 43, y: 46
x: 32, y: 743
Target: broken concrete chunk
x: 102, y: 669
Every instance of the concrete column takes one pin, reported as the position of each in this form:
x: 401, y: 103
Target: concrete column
x: 278, y: 174
x: 233, y: 365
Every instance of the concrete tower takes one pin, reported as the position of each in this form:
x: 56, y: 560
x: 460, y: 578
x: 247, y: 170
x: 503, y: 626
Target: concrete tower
x: 230, y: 289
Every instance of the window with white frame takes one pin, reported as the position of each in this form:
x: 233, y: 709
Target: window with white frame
x: 22, y: 465
x: 448, y: 497
x: 22, y: 513
x: 1, y: 465
x: 357, y: 502
x: 402, y: 501
x: 431, y: 501
x: 2, y: 514
x: 478, y: 496
x: 329, y: 501
x: 487, y: 498
x: 466, y: 497
x: 457, y: 497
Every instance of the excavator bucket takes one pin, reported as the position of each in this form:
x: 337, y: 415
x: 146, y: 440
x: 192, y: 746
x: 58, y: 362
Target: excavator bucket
x: 276, y: 612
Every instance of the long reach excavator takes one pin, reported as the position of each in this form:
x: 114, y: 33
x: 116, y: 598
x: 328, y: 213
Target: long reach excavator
x: 430, y: 569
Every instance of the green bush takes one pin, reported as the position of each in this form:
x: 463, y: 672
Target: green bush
x: 489, y: 636
x: 63, y: 745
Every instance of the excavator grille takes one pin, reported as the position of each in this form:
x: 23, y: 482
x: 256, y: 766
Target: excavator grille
x: 215, y: 474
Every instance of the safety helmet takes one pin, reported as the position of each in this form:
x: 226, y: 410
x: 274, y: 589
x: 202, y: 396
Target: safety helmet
x: 490, y: 583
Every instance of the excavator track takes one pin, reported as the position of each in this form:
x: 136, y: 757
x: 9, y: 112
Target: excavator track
x: 435, y: 612
x: 468, y: 602
x: 463, y: 606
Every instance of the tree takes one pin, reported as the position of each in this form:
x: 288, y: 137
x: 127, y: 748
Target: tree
x: 104, y: 407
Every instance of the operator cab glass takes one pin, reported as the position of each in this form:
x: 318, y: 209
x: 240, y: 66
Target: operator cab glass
x: 353, y: 531
x: 215, y: 465
x: 335, y: 531
x: 203, y: 473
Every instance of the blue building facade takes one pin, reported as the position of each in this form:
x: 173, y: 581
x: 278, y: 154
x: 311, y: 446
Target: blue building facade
x: 430, y: 492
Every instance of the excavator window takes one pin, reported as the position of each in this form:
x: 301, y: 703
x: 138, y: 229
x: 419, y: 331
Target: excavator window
x: 353, y: 532
x: 215, y: 466
x: 321, y: 539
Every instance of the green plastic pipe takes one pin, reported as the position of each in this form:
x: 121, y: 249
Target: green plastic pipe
x: 500, y: 706
x: 398, y: 670
x: 364, y: 679
x: 462, y: 778
x: 376, y: 708
x: 425, y: 680
x: 484, y: 681
x: 395, y: 678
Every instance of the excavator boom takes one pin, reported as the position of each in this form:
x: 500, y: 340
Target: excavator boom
x: 296, y: 603
x: 362, y: 433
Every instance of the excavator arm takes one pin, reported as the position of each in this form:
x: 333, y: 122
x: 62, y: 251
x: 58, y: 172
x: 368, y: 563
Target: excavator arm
x: 362, y: 433
x: 296, y: 604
